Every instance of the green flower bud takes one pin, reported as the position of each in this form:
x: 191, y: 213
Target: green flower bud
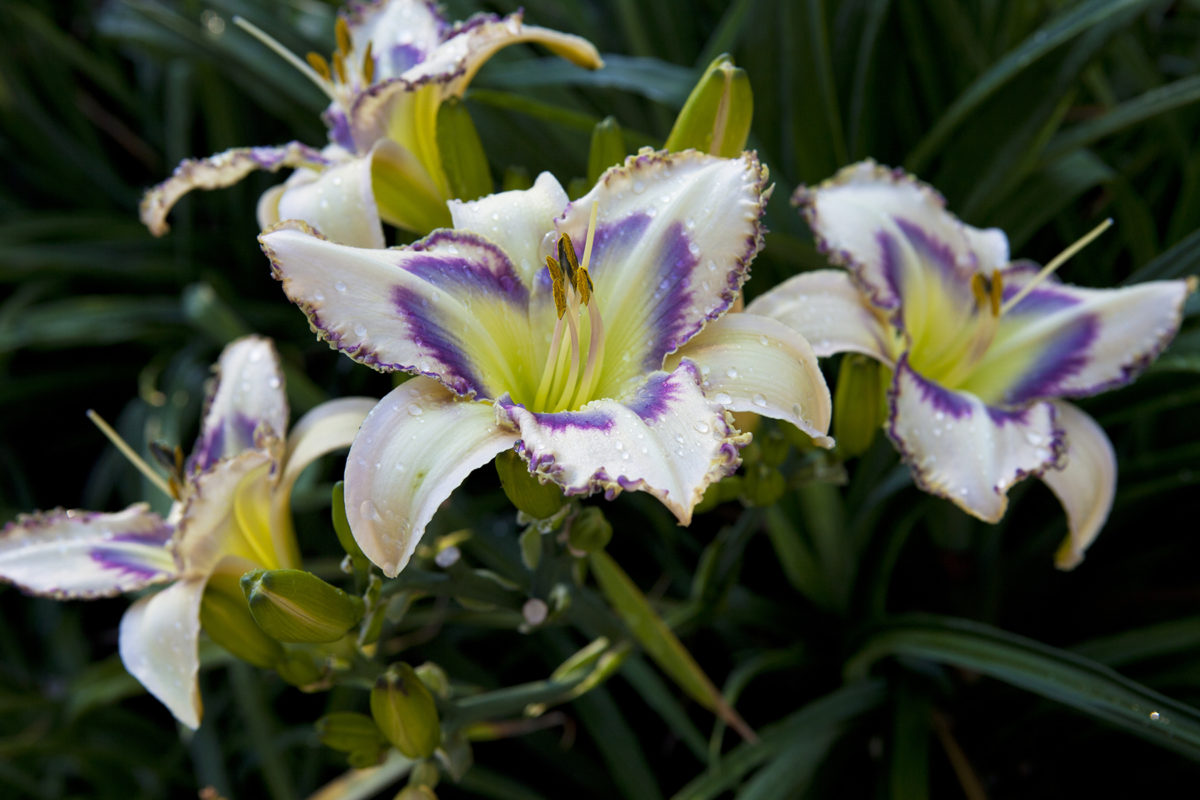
x: 858, y: 404
x: 349, y: 732
x: 405, y: 711
x: 538, y: 500
x: 292, y: 605
x: 531, y: 547
x: 590, y: 531
x: 463, y: 159
x: 716, y: 116
x: 607, y: 149
x: 226, y: 619
x: 299, y: 669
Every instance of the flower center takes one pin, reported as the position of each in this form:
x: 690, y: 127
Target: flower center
x: 571, y: 373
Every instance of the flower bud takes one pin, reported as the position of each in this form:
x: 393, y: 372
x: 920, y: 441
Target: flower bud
x: 590, y: 531
x: 858, y: 410
x: 226, y: 619
x: 607, y: 149
x: 463, y: 159
x: 299, y: 669
x: 348, y: 732
x: 538, y: 500
x: 716, y: 116
x: 292, y: 605
x: 405, y: 712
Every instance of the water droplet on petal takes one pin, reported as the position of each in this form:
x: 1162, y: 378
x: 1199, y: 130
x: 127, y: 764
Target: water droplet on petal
x: 723, y: 398
x: 731, y: 372
x: 759, y: 401
x: 415, y: 410
x: 340, y: 286
x: 701, y: 427
x: 360, y: 330
x: 368, y: 511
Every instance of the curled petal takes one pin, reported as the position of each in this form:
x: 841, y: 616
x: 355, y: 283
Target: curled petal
x: 665, y: 438
x: 158, y: 641
x: 517, y: 221
x: 246, y: 405
x: 338, y: 201
x: 328, y: 427
x: 674, y: 238
x: 753, y: 363
x: 1068, y: 341
x: 1085, y: 484
x: 217, y: 172
x: 965, y: 451
x: 450, y: 307
x: 829, y: 311
x: 906, y: 251
x: 413, y: 450
x: 85, y: 554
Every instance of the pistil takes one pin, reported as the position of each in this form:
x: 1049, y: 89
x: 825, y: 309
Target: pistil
x: 128, y: 452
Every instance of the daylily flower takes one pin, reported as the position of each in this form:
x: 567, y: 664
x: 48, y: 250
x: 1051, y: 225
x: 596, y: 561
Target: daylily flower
x: 591, y: 337
x: 396, y: 62
x: 982, y: 350
x: 231, y: 514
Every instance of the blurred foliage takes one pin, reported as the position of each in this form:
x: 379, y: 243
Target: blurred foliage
x: 1013, y: 680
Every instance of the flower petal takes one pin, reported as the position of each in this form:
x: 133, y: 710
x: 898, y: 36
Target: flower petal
x: 517, y: 221
x: 1068, y: 341
x: 1085, y: 484
x: 159, y: 638
x: 328, y: 427
x: 665, y: 438
x: 226, y: 512
x: 674, y: 238
x: 907, y: 252
x: 401, y: 33
x: 828, y: 310
x: 246, y: 405
x: 218, y: 171
x: 338, y: 201
x: 414, y: 448
x: 85, y: 554
x: 451, y: 306
x: 963, y: 450
x: 758, y: 364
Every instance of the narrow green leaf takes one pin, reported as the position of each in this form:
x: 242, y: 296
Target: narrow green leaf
x: 1182, y: 260
x: 1050, y: 672
x: 607, y: 148
x: 659, y: 641
x: 1062, y: 28
x: 652, y: 78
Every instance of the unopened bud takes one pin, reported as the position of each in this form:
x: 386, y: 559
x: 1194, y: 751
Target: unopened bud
x: 348, y: 732
x: 716, y: 117
x: 538, y: 500
x: 405, y: 712
x: 607, y: 148
x: 292, y: 605
x: 463, y: 159
x: 225, y: 617
x: 590, y: 531
x: 858, y: 404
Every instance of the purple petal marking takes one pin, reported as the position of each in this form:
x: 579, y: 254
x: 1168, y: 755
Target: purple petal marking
x: 428, y: 333
x: 339, y: 128
x: 1066, y: 356
x: 403, y: 57
x: 935, y: 253
x: 495, y: 276
x: 653, y: 398
x: 210, y: 446
x: 936, y: 395
x: 122, y: 562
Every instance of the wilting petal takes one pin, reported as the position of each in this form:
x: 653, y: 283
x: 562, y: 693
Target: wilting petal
x: 665, y: 438
x: 828, y: 310
x: 1085, y: 484
x: 339, y: 202
x: 246, y: 404
x: 216, y: 172
x: 158, y: 643
x: 227, y: 512
x: 1067, y: 341
x: 451, y: 306
x: 449, y: 67
x: 907, y: 252
x: 752, y: 363
x: 963, y: 450
x: 415, y: 447
x: 517, y: 221
x: 674, y: 237
x: 84, y: 554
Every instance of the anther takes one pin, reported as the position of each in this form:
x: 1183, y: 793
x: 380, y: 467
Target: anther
x: 368, y: 66
x: 129, y: 453
x: 997, y: 292
x: 318, y: 63
x: 339, y: 67
x: 556, y: 283
x: 342, y: 31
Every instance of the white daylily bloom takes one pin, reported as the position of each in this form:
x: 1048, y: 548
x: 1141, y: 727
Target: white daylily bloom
x: 231, y: 515
x: 396, y: 62
x: 981, y: 349
x: 590, y: 336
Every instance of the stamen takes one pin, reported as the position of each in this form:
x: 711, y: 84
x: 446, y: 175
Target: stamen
x: 979, y: 290
x: 568, y: 389
x: 324, y: 84
x: 551, y: 368
x: 1057, y: 262
x: 368, y: 66
x: 557, y: 287
x: 997, y: 292
x: 566, y: 256
x: 342, y: 31
x: 128, y: 452
x: 318, y: 63
x: 339, y: 67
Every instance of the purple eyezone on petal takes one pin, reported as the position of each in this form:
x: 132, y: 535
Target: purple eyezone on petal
x: 339, y: 128
x: 123, y: 562
x: 211, y: 447
x: 653, y: 399
x: 427, y: 333
x: 945, y: 401
x: 402, y: 57
x: 1066, y: 357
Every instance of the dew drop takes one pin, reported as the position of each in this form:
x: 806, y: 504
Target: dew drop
x: 759, y: 401
x: 415, y: 410
x: 796, y: 409
x: 1154, y: 715
x: 764, y: 341
x: 340, y: 286
x: 360, y: 330
x: 723, y: 398
x: 701, y: 427
x: 731, y: 372
x: 638, y: 187
x: 318, y: 296
x: 368, y: 511
x: 274, y: 382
